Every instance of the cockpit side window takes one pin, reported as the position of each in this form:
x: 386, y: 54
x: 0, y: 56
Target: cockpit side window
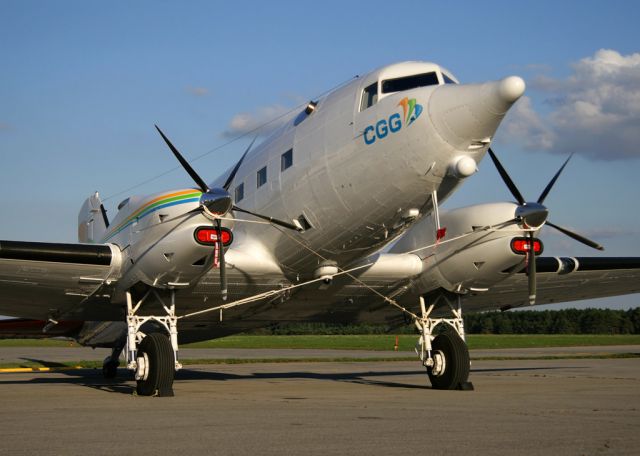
x: 369, y: 96
x: 409, y: 82
x: 447, y: 79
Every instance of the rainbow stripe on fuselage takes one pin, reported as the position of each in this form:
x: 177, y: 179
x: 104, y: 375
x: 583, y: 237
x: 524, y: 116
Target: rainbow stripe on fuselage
x: 159, y: 202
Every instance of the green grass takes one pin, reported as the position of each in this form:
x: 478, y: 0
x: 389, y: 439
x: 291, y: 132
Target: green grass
x: 407, y: 342
x: 37, y: 343
x: 374, y: 342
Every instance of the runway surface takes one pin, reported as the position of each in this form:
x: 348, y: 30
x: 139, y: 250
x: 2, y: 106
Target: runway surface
x: 568, y: 406
x: 52, y: 355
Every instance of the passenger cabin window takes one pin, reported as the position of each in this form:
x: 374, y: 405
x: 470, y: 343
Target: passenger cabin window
x: 262, y: 177
x: 286, y: 160
x: 123, y: 203
x: 447, y: 79
x: 239, y: 192
x: 369, y: 96
x: 409, y: 82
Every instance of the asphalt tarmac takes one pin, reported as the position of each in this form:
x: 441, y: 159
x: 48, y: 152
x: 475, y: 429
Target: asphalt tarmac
x: 566, y: 406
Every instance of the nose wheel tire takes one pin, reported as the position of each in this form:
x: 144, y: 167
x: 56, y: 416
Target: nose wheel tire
x: 156, y: 378
x: 454, y: 370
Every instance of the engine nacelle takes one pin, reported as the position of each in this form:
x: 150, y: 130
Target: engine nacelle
x: 176, y: 260
x: 474, y: 252
x: 166, y: 240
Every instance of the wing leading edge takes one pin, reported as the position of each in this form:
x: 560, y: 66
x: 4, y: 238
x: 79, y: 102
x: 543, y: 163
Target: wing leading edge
x: 50, y: 281
x: 563, y: 279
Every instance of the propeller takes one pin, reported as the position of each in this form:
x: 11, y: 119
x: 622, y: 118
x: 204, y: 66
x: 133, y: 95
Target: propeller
x: 216, y: 203
x: 531, y: 269
x: 223, y: 265
x: 275, y: 221
x: 533, y: 215
x: 235, y: 169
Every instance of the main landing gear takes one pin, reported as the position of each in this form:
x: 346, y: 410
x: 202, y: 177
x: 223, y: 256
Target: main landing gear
x: 445, y: 355
x: 153, y: 356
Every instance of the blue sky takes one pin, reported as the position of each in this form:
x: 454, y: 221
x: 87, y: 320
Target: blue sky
x: 82, y: 84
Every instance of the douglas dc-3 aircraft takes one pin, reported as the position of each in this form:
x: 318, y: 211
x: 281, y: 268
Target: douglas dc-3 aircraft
x: 334, y: 218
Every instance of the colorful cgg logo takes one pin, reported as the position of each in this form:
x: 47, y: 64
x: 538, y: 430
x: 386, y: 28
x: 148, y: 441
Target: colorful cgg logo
x: 382, y: 128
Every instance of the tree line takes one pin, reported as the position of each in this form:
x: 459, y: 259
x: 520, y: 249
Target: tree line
x: 567, y: 321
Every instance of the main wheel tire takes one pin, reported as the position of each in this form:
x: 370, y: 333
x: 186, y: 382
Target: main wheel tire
x: 159, y: 381
x: 457, y: 361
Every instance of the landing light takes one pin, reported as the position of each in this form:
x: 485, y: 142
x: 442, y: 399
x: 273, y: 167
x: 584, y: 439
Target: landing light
x: 521, y: 246
x: 207, y: 235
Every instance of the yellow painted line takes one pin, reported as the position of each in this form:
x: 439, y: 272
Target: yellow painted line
x: 19, y: 370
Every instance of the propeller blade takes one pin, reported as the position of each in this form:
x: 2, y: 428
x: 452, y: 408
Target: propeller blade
x: 505, y: 177
x: 223, y: 269
x: 546, y: 191
x: 229, y: 181
x: 577, y: 237
x: 185, y: 164
x: 275, y: 221
x: 531, y: 270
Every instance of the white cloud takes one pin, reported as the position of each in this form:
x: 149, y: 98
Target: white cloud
x: 594, y: 112
x: 523, y: 124
x: 262, y: 121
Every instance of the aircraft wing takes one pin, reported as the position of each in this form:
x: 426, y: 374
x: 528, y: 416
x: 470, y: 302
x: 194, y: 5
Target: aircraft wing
x: 559, y: 280
x: 50, y: 281
x: 562, y: 280
x: 74, y: 282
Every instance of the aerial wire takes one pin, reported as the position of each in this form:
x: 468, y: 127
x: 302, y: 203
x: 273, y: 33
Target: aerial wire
x: 228, y: 143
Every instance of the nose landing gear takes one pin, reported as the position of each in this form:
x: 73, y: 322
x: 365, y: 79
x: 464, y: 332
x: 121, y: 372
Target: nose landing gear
x: 446, y: 355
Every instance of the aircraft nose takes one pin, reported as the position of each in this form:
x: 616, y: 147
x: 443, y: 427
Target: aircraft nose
x: 467, y: 115
x: 510, y: 89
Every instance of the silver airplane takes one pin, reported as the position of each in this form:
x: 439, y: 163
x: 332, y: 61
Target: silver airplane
x: 333, y: 218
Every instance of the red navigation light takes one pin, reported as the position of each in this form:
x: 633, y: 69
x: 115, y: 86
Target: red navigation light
x: 521, y: 246
x: 209, y: 236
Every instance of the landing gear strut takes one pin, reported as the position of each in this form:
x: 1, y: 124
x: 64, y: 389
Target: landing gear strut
x: 445, y: 356
x: 152, y: 357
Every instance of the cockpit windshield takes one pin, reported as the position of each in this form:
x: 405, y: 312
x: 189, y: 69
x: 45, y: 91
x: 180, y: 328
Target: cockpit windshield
x: 409, y: 82
x: 448, y: 79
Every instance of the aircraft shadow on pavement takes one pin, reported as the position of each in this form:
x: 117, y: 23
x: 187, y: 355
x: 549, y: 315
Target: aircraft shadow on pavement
x: 45, y: 363
x: 522, y: 369
x: 364, y: 378
x: 124, y: 383
x: 91, y: 378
